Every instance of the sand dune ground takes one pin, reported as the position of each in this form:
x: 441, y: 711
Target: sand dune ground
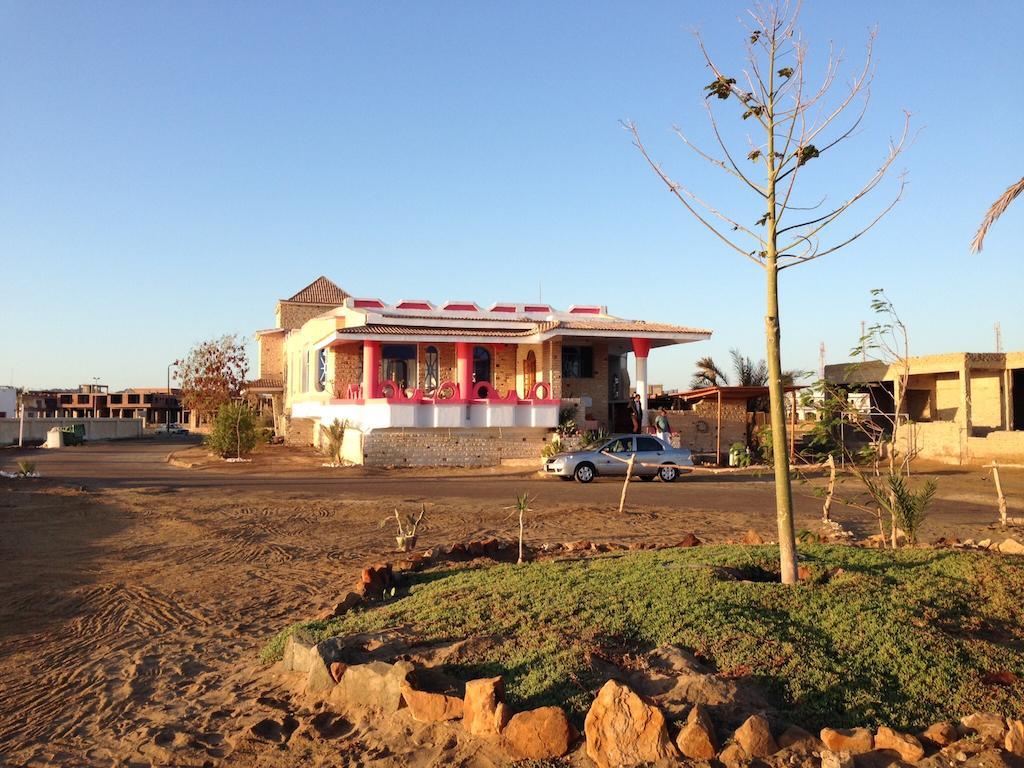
x: 130, y: 618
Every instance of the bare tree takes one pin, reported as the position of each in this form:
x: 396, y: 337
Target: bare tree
x: 998, y: 208
x: 795, y: 123
x: 212, y: 374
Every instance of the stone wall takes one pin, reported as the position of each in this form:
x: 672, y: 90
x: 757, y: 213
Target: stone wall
x: 503, y: 368
x: 292, y: 315
x: 450, y: 447
x: 596, y: 387
x: 987, y: 404
x: 947, y: 442
x: 347, y: 368
x: 272, y: 354
x: 698, y: 429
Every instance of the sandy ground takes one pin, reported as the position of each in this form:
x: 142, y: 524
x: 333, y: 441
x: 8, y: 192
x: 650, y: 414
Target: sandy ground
x: 134, y: 596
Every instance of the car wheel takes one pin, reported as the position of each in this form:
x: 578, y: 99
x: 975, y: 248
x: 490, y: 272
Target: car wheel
x: 584, y: 473
x: 668, y: 473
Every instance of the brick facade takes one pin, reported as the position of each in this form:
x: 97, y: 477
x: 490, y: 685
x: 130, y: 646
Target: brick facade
x: 451, y: 447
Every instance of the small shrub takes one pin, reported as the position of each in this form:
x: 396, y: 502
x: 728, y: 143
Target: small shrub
x: 550, y: 449
x: 26, y: 468
x: 335, y: 433
x: 235, y: 432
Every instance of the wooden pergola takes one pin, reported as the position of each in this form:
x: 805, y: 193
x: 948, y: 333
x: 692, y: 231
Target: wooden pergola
x: 722, y: 394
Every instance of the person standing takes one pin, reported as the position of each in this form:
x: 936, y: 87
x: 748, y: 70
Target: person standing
x: 662, y: 425
x: 638, y: 415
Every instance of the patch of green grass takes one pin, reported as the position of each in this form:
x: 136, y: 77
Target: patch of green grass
x: 901, y: 639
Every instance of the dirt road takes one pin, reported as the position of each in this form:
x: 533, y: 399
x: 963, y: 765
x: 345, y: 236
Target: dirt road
x: 134, y: 595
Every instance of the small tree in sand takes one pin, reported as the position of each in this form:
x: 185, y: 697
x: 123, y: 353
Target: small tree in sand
x: 212, y: 374
x: 795, y: 128
x: 335, y: 433
x: 521, y: 508
x: 235, y: 431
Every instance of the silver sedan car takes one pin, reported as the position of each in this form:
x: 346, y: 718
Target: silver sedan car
x: 654, y: 458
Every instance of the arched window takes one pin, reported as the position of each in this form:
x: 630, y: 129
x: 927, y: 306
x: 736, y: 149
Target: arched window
x: 321, y: 369
x: 481, y: 365
x: 432, y: 374
x: 529, y: 372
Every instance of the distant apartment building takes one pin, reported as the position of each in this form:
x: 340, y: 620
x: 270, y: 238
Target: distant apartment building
x: 155, y: 406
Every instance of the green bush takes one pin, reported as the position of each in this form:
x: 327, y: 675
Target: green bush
x: 235, y: 431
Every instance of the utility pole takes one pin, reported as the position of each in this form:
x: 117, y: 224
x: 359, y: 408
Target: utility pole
x: 863, y: 347
x: 821, y: 361
x: 999, y: 337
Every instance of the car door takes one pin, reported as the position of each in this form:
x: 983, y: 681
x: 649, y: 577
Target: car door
x: 648, y: 451
x: 620, y: 448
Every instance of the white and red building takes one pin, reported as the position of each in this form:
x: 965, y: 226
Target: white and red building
x: 416, y: 365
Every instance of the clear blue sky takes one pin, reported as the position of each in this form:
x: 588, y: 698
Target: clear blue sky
x: 170, y: 169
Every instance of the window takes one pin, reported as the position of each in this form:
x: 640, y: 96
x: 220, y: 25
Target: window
x: 321, y: 369
x: 431, y: 377
x: 481, y: 365
x: 399, y: 361
x: 578, y: 362
x: 648, y: 444
x: 620, y: 445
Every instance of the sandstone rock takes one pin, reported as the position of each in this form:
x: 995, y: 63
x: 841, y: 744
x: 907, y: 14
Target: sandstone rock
x: 734, y: 755
x: 696, y: 740
x: 941, y: 734
x: 376, y: 580
x: 319, y: 679
x: 426, y: 707
x: 299, y: 652
x: 376, y: 685
x: 1011, y: 547
x: 539, y: 734
x: 985, y: 543
x: 908, y: 747
x: 481, y: 704
x: 1014, y: 742
x: 988, y: 725
x: 689, y: 540
x: 856, y: 741
x: 753, y: 537
x: 502, y: 714
x: 830, y: 759
x: 337, y: 670
x: 796, y: 737
x: 343, y: 606
x: 623, y: 729
x: 756, y: 737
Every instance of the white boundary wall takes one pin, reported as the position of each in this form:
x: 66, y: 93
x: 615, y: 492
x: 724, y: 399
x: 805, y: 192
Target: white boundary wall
x: 95, y: 429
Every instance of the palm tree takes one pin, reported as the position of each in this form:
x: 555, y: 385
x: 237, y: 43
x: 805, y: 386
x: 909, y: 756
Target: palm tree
x: 747, y: 373
x: 708, y: 375
x: 997, y: 209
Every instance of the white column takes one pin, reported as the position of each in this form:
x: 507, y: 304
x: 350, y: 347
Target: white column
x: 641, y: 383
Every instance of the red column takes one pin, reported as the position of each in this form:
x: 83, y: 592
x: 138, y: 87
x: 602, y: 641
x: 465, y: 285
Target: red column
x: 464, y: 354
x: 371, y: 367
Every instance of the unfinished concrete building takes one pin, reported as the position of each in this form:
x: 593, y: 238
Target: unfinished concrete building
x: 963, y: 407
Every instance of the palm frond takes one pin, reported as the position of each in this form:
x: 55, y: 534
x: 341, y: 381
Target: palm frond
x: 997, y: 210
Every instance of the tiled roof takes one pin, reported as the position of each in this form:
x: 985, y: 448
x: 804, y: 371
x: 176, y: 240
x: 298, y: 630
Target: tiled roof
x: 415, y: 330
x: 627, y: 326
x: 320, y: 291
x: 265, y: 382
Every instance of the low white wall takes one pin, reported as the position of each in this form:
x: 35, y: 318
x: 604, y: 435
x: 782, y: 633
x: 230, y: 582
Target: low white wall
x: 95, y: 429
x: 380, y: 414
